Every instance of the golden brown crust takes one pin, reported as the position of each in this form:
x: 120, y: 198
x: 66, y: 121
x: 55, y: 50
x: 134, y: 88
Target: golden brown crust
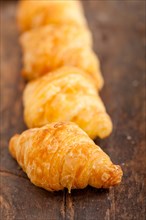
x: 50, y: 47
x: 66, y: 94
x: 61, y: 155
x: 34, y: 13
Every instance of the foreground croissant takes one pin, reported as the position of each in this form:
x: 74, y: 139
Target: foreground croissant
x: 36, y: 13
x: 53, y: 46
x: 61, y: 155
x: 66, y: 94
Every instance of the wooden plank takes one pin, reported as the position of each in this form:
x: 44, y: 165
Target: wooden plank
x: 119, y: 32
x: 19, y: 198
x: 12, y: 84
x: 22, y: 200
x: 118, y: 29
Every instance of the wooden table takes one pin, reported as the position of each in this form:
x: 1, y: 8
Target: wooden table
x: 119, y: 37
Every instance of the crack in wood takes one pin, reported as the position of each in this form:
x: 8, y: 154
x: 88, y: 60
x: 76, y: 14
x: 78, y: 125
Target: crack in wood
x: 5, y: 172
x: 65, y: 208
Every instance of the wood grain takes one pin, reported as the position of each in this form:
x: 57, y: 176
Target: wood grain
x: 118, y: 29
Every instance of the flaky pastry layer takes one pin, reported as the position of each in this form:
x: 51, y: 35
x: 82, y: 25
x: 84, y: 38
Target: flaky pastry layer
x: 66, y: 94
x: 36, y: 13
x: 53, y: 46
x: 61, y: 155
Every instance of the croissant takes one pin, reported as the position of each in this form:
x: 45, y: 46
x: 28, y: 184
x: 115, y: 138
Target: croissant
x: 66, y: 94
x: 36, y: 13
x: 60, y: 155
x: 50, y: 47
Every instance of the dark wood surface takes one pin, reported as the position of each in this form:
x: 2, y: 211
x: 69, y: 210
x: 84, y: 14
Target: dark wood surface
x: 118, y: 29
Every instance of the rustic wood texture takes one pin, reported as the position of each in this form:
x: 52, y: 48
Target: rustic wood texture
x: 118, y: 29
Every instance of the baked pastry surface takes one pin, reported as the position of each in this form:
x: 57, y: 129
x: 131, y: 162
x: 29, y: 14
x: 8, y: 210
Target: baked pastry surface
x: 36, y: 13
x: 53, y: 46
x: 66, y: 94
x: 61, y: 155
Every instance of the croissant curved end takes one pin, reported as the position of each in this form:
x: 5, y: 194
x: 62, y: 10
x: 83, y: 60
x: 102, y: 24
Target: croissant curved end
x: 100, y: 82
x: 104, y: 125
x: 12, y: 144
x: 113, y: 177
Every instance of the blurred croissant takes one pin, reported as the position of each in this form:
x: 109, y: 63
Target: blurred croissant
x: 66, y: 94
x: 50, y: 47
x: 61, y: 155
x: 36, y: 13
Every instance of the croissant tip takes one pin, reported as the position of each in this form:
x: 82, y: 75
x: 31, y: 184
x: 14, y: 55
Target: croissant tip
x: 12, y: 143
x: 115, y: 177
x: 101, y: 85
x: 105, y: 125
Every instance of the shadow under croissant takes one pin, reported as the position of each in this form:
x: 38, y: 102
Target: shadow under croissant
x: 89, y: 191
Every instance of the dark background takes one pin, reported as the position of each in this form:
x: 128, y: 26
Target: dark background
x: 119, y: 32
